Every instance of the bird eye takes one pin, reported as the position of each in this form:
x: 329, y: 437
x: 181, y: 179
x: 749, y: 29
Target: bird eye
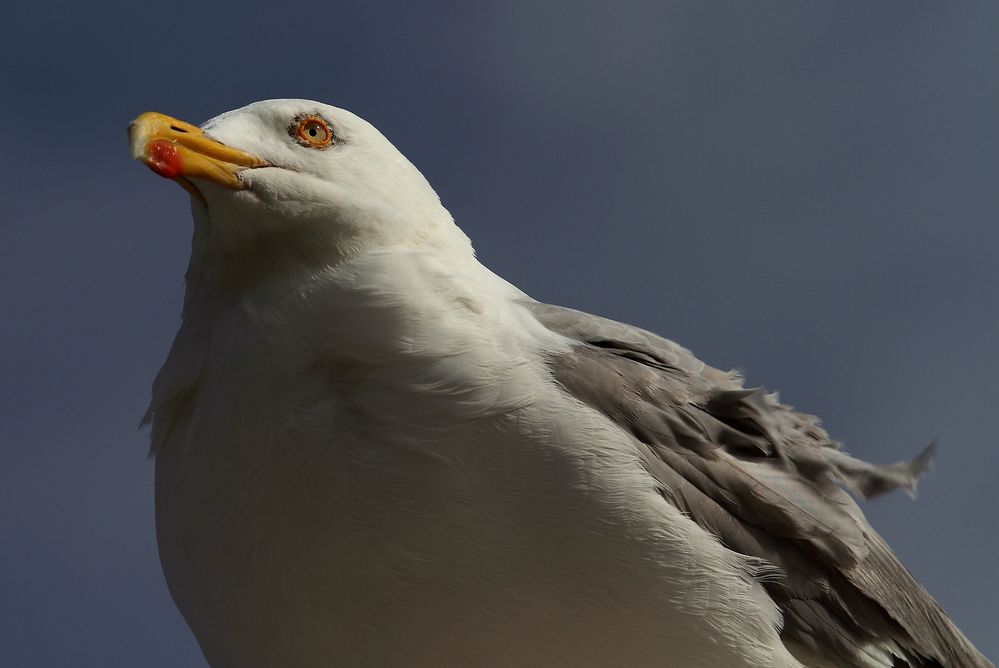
x: 315, y: 132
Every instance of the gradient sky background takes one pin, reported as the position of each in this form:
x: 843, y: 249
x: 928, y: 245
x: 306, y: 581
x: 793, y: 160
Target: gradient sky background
x: 803, y: 190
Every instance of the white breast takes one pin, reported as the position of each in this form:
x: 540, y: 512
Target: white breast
x: 405, y: 486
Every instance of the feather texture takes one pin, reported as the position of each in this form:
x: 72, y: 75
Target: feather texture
x: 769, y: 483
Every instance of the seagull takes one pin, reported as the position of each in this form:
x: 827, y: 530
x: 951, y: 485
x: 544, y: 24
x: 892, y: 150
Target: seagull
x: 371, y: 450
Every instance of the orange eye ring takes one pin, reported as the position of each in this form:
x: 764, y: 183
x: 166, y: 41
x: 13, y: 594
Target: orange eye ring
x: 314, y: 132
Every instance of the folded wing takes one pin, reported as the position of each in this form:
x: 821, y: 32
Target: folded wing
x: 770, y: 484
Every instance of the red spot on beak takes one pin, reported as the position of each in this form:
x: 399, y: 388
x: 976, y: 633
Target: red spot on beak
x: 164, y: 159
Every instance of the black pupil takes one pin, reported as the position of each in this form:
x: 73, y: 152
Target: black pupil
x: 312, y: 131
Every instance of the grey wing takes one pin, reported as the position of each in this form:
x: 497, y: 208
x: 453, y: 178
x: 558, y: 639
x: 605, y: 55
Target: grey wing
x: 769, y: 483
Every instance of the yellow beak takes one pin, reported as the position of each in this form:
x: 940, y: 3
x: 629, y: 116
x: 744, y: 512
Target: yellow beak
x: 178, y: 150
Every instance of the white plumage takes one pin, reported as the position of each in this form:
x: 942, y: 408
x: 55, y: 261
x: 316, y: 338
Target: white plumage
x: 372, y: 451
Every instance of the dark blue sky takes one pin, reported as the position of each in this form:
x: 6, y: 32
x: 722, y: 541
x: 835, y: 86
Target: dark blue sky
x: 806, y: 191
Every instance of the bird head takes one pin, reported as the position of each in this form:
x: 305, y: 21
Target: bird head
x: 283, y: 184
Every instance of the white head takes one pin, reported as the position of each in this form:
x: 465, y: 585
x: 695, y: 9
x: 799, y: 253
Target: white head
x: 293, y: 184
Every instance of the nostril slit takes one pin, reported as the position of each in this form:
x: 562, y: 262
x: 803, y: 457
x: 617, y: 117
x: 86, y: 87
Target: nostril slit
x: 176, y: 129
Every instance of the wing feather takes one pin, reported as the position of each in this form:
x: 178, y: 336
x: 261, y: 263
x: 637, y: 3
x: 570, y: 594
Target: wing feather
x: 770, y: 484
